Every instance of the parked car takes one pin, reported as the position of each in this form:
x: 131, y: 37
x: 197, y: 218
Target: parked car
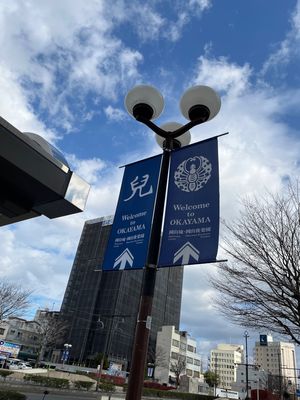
x: 24, y: 365
x: 12, y: 363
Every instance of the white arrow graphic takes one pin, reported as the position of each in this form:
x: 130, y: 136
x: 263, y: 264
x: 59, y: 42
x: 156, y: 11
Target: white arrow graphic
x: 123, y: 259
x: 185, y: 252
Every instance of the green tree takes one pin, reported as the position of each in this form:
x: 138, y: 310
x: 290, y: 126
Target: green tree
x: 211, y: 378
x: 97, y: 361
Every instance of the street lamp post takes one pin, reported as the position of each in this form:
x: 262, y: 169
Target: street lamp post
x: 107, y: 337
x: 100, y: 366
x: 280, y: 374
x: 65, y: 357
x: 107, y: 344
x: 198, y: 104
x: 246, y: 335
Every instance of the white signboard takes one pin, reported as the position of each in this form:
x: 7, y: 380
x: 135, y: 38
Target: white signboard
x: 9, y: 349
x: 228, y: 394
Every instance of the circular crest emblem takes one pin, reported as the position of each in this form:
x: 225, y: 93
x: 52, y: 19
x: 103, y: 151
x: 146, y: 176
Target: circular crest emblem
x: 192, y: 174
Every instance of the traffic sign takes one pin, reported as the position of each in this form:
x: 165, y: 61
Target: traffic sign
x: 191, y: 227
x: 129, y: 239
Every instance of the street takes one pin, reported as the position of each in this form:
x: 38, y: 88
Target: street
x: 70, y: 396
x: 57, y: 396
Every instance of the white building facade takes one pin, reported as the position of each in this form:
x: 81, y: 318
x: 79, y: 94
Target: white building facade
x: 173, y: 347
x: 257, y: 379
x: 223, y: 361
x: 278, y: 358
x: 23, y: 333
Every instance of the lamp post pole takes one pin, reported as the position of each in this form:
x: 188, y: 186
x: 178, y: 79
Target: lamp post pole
x: 280, y: 374
x: 136, y: 377
x: 145, y: 103
x: 100, y: 369
x: 247, y: 365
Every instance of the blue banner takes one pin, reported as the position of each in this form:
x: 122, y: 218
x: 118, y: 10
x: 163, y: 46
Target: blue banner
x: 191, y: 227
x: 129, y: 239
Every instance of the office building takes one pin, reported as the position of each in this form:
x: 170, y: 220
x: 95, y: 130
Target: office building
x: 176, y: 353
x: 101, y: 307
x: 223, y: 360
x: 278, y: 358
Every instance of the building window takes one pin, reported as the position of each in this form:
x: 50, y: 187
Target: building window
x: 196, y: 374
x: 2, y: 331
x: 191, y: 348
x: 189, y: 372
x: 174, y: 355
x: 182, y: 346
x: 175, y: 343
x: 189, y: 360
x: 197, y: 362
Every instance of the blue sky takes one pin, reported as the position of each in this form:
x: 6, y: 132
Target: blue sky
x: 65, y: 69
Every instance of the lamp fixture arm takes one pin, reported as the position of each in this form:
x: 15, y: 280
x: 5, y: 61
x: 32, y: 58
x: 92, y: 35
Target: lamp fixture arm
x: 167, y: 134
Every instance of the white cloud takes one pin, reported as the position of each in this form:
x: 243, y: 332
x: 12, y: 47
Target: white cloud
x: 88, y: 170
x: 37, y: 254
x: 288, y: 49
x: 59, y: 49
x: 115, y: 114
x: 223, y: 75
x: 14, y: 98
x: 151, y: 24
x: 175, y: 30
x: 200, y: 4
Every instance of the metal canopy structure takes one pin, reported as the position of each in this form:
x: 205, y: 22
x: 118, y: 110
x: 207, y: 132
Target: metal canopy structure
x: 35, y: 179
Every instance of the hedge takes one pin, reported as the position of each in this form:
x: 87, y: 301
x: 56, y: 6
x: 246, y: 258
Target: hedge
x: 106, y: 387
x: 4, y: 373
x: 175, y: 395
x: 57, y: 383
x: 11, y: 395
x: 83, y: 384
x: 157, y: 386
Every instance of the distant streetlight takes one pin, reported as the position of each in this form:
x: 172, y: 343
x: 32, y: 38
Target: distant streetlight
x: 107, y: 336
x: 246, y: 335
x: 66, y: 352
x: 198, y: 104
x: 107, y: 342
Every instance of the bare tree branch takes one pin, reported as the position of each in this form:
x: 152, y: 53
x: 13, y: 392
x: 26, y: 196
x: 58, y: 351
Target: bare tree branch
x: 260, y: 287
x: 51, y: 330
x: 178, y: 368
x: 13, y: 300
